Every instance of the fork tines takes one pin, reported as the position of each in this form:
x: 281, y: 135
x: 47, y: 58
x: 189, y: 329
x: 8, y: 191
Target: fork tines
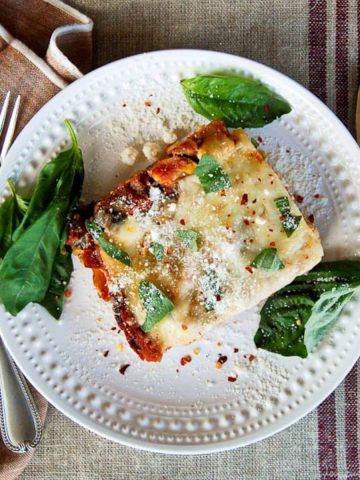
x: 11, y: 125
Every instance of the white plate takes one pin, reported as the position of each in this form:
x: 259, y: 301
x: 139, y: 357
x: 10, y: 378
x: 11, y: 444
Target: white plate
x: 167, y: 407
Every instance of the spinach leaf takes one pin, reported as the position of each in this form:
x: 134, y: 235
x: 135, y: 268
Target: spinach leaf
x: 60, y: 278
x: 189, y: 237
x: 11, y: 214
x: 28, y: 265
x: 295, y: 319
x: 110, y: 248
x: 157, y: 250
x: 49, y: 176
x: 156, y: 304
x: 289, y: 221
x: 212, y: 177
x: 237, y: 100
x: 268, y: 260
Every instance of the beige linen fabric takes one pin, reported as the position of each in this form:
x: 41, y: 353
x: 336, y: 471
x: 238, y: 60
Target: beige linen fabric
x: 289, y: 36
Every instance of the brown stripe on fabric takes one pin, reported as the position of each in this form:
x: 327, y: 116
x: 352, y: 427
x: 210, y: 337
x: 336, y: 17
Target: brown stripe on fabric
x: 351, y: 425
x: 341, y: 57
x: 327, y: 439
x: 317, y: 48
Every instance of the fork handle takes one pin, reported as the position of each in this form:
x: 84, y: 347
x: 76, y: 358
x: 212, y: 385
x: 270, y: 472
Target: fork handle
x: 20, y: 423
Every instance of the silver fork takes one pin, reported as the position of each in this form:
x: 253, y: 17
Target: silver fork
x: 20, y: 424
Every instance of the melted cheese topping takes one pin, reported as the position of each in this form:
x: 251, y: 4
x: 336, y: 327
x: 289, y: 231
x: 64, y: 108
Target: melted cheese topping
x: 233, y: 227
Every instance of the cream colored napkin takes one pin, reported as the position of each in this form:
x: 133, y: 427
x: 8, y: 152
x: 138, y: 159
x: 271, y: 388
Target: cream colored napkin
x: 44, y: 45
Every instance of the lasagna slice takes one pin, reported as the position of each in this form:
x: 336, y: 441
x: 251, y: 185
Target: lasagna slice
x: 206, y: 232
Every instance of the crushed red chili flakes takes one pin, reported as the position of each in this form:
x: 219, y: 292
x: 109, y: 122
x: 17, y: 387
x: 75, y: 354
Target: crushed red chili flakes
x: 271, y: 230
x: 68, y: 293
x: 169, y: 251
x: 222, y: 193
x: 311, y: 218
x: 123, y: 368
x: 236, y: 350
x: 177, y: 370
x: 254, y: 201
x: 157, y: 110
x: 232, y: 379
x: 244, y: 199
x: 106, y: 353
x: 124, y: 104
x: 222, y: 359
x: 218, y: 298
x: 252, y: 357
x: 299, y: 198
x: 251, y: 240
x: 185, y: 359
x: 253, y: 212
x: 147, y: 104
x: 184, y: 327
x: 316, y: 195
x: 249, y: 269
x: 182, y: 221
x: 246, y: 221
x: 113, y: 328
x: 259, y: 139
x: 272, y: 244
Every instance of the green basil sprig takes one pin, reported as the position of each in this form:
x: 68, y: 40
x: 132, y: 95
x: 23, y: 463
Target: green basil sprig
x: 111, y: 249
x: 33, y: 262
x: 289, y: 221
x: 189, y: 237
x: 212, y: 177
x: 296, y: 318
x: 237, y: 100
x: 156, y: 304
x: 268, y: 260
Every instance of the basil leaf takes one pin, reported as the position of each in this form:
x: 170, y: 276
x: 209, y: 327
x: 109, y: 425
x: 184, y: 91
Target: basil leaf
x: 27, y: 268
x: 211, y: 288
x: 189, y: 237
x: 289, y: 221
x: 237, y: 100
x: 157, y: 250
x: 212, y: 177
x: 109, y: 248
x: 60, y: 278
x: 156, y: 304
x: 268, y: 261
x: 21, y: 203
x: 296, y: 318
x: 254, y: 142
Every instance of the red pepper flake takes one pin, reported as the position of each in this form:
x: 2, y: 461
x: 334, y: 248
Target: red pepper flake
x: 254, y: 201
x: 259, y: 179
x: 157, y: 110
x: 177, y: 370
x: 124, y: 104
x: 311, y: 218
x: 316, y: 195
x: 251, y: 240
x: 218, y: 298
x: 113, y: 328
x: 249, y: 269
x: 272, y: 244
x: 222, y: 359
x: 253, y: 212
x: 246, y: 221
x: 106, y: 353
x: 299, y: 198
x: 259, y: 139
x: 182, y: 221
x: 271, y: 230
x: 232, y: 379
x: 123, y: 368
x: 147, y: 104
x: 169, y: 251
x: 68, y: 293
x: 244, y: 240
x: 272, y: 182
x: 252, y: 357
x: 236, y: 350
x: 184, y: 327
x: 267, y: 108
x: 244, y: 199
x: 222, y: 193
x: 287, y: 150
x: 185, y: 359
